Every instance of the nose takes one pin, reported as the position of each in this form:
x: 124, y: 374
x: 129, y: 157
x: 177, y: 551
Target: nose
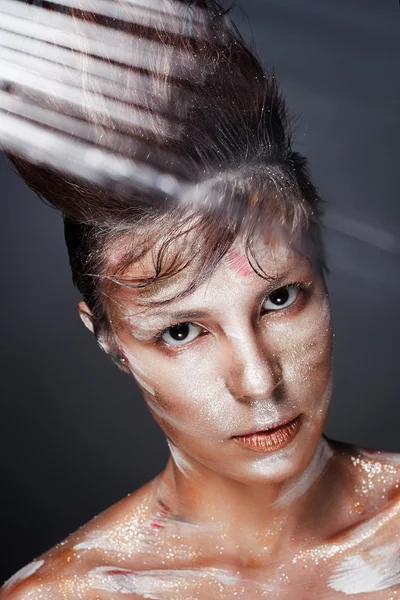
x: 253, y: 371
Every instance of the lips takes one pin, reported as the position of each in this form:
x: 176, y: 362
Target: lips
x: 271, y: 439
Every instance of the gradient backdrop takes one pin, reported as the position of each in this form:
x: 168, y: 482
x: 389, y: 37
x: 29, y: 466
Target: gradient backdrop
x: 75, y: 435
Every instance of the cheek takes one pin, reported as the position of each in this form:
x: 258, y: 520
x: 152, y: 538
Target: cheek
x: 304, y: 349
x: 194, y: 394
x: 185, y: 392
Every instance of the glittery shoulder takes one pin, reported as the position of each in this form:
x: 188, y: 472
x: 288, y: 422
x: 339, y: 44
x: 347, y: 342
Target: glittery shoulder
x: 62, y: 572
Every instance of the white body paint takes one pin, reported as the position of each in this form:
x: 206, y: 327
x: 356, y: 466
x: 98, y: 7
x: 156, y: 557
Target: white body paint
x: 304, y: 482
x: 378, y: 569
x: 139, y: 333
x: 140, y: 374
x: 133, y: 537
x: 166, y: 584
x: 181, y: 462
x: 24, y: 573
x: 196, y: 393
x: 146, y: 386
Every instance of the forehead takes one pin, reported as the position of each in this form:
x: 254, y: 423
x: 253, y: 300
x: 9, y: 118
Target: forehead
x: 269, y: 261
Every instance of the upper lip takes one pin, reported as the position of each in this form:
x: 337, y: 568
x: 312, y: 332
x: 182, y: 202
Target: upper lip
x: 263, y: 429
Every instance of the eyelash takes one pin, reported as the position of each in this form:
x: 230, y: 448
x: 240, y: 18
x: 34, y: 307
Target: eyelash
x: 301, y: 287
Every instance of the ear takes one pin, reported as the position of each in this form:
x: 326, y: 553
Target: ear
x: 86, y: 316
x: 87, y: 319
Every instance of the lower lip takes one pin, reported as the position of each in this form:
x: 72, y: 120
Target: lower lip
x: 271, y: 440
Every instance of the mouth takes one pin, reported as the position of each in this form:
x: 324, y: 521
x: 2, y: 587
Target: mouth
x: 270, y: 440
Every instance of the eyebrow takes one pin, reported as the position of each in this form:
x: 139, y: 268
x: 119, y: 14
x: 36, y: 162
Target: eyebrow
x: 184, y: 315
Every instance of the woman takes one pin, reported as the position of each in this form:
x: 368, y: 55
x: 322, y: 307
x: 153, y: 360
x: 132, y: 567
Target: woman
x: 218, y: 308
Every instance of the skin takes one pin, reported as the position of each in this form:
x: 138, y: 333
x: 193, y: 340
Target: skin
x: 223, y: 521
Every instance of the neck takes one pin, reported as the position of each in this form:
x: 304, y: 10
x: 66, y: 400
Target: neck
x: 198, y: 495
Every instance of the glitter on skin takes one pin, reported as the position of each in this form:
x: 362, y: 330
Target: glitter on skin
x: 374, y: 475
x: 389, y: 457
x: 132, y: 545
x: 380, y: 525
x: 164, y: 584
x: 361, y: 533
x: 273, y: 366
x: 207, y: 383
x: 133, y: 535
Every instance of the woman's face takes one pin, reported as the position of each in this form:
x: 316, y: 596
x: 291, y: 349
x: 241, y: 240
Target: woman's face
x: 241, y: 354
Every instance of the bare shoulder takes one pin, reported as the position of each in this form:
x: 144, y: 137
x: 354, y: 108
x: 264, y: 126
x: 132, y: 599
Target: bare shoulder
x: 67, y: 570
x: 377, y: 468
x: 374, y: 483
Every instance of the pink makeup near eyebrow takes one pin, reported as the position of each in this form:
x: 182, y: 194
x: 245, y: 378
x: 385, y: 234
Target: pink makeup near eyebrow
x: 187, y: 315
x: 238, y: 262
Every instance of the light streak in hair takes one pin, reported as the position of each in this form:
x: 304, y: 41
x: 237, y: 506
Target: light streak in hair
x: 90, y: 38
x: 61, y: 73
x: 86, y: 100
x: 82, y: 160
x: 171, y: 15
x: 65, y: 66
x: 137, y: 88
x: 67, y: 58
x: 72, y: 126
x: 41, y: 50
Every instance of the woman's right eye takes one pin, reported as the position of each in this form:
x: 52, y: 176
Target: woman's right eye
x: 181, y: 334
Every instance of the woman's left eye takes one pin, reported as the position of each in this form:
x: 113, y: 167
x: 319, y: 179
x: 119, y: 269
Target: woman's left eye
x: 281, y: 298
x: 181, y: 334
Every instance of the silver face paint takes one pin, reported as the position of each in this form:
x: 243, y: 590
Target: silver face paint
x: 245, y: 371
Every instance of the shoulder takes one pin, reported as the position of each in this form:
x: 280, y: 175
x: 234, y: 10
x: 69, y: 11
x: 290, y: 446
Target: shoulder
x: 377, y: 466
x: 365, y: 549
x: 65, y: 570
x: 47, y: 578
x: 373, y: 481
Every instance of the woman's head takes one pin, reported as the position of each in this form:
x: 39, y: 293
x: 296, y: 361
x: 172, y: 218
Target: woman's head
x: 240, y: 353
x: 241, y: 255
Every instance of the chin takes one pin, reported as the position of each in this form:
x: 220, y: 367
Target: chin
x: 275, y: 467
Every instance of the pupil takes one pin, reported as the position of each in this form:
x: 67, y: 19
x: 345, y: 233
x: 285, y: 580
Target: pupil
x: 179, y: 332
x: 280, y: 296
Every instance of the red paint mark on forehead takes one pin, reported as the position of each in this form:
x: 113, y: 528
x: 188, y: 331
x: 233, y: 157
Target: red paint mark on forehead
x: 238, y: 262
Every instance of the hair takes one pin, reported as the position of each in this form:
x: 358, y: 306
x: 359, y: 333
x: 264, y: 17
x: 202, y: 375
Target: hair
x: 212, y: 117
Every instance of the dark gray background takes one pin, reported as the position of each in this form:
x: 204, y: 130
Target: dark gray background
x: 75, y: 436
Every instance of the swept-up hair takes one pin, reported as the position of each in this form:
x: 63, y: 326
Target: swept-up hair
x: 211, y: 116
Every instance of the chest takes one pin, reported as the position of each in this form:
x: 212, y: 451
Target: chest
x: 362, y: 575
